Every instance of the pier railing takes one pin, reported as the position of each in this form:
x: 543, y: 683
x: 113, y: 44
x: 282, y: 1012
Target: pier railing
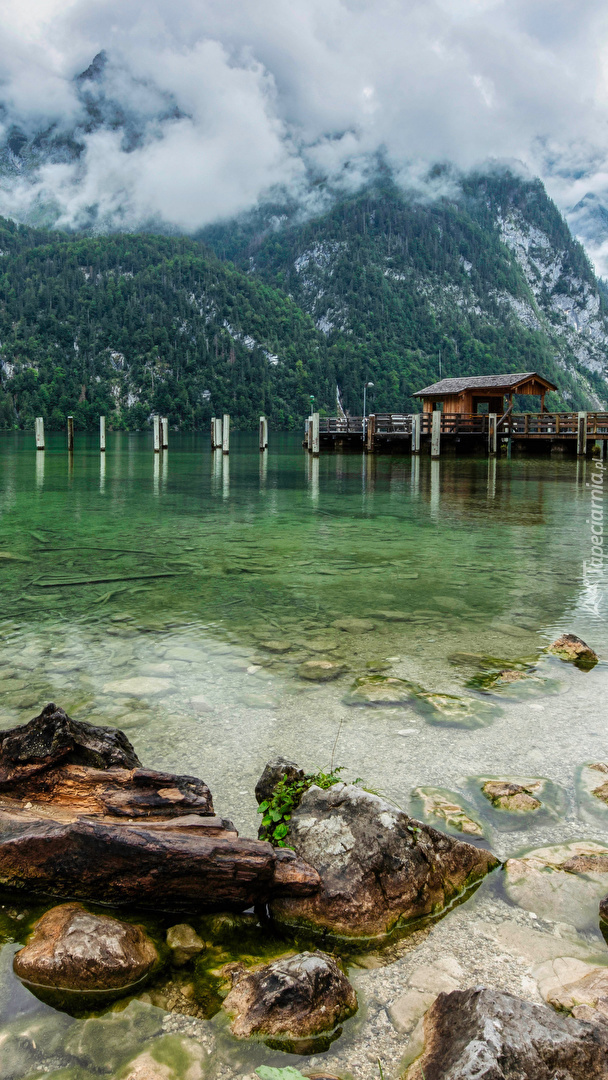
x: 525, y: 425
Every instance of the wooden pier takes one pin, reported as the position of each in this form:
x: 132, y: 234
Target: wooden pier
x: 437, y: 432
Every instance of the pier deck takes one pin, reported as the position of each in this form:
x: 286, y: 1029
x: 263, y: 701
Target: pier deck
x: 421, y: 432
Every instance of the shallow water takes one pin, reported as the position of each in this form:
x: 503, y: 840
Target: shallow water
x: 211, y: 580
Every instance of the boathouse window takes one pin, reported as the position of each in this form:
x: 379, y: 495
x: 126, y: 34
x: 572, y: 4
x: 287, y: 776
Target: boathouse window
x: 483, y: 407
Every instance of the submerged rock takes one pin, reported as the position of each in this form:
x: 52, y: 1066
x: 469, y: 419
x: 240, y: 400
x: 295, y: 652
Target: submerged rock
x: 378, y: 867
x: 505, y: 795
x: 437, y: 805
x: 73, y: 949
x: 294, y: 997
x: 604, y: 910
x: 601, y: 792
x: 321, y: 670
x: 575, y: 650
x: 381, y: 690
x: 184, y: 943
x: 574, y: 986
x: 354, y: 626
x: 554, y: 883
x: 490, y: 1035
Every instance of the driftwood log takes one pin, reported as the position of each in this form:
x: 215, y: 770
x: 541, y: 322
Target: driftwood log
x: 80, y: 819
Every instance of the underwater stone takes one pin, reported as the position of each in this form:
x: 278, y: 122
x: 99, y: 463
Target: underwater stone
x: 297, y: 996
x: 507, y: 796
x: 184, y: 943
x: 493, y: 1035
x: 378, y: 867
x: 381, y: 690
x: 73, y: 949
x: 437, y: 805
x: 321, y: 670
x: 354, y: 626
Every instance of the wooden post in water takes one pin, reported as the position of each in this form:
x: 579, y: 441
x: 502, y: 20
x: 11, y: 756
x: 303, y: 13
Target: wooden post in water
x: 39, y: 427
x: 164, y: 428
x: 212, y: 433
x: 70, y: 433
x: 102, y: 434
x: 436, y: 434
x: 581, y: 441
x: 263, y: 433
x: 416, y: 422
x: 315, y: 434
x: 156, y: 429
x: 226, y: 434
x: 492, y: 434
x: 218, y: 434
x: 309, y: 434
x: 370, y: 433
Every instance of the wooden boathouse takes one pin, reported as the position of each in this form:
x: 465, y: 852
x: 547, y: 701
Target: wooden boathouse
x: 467, y: 415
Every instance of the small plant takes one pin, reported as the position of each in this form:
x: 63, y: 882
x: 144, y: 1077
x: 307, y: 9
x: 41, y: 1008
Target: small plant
x: 286, y: 797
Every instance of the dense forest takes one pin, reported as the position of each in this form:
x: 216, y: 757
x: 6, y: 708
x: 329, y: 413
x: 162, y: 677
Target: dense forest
x: 256, y: 316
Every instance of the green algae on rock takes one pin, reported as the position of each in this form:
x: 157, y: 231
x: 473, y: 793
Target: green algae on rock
x: 321, y: 670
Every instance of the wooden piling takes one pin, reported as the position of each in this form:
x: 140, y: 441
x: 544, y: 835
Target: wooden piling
x: 226, y: 434
x: 164, y: 430
x: 309, y: 435
x: 39, y: 427
x: 581, y: 441
x: 370, y: 431
x: 70, y: 433
x: 315, y: 434
x: 156, y: 430
x: 492, y: 434
x: 263, y: 433
x: 212, y: 433
x: 416, y: 424
x: 436, y: 434
x: 102, y: 434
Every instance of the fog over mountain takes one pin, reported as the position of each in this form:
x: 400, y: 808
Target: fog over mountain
x: 120, y: 115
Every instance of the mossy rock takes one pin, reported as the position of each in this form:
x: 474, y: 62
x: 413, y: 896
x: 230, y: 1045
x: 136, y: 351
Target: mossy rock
x: 382, y: 690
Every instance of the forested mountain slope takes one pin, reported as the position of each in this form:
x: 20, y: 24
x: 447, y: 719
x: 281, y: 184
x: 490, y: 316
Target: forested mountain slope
x: 489, y: 282
x: 257, y: 315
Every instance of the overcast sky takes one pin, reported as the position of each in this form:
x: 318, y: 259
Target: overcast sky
x: 271, y: 91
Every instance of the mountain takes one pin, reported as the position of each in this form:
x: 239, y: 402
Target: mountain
x: 491, y: 281
x: 256, y: 315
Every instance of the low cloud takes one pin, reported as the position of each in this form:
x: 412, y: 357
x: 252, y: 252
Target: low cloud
x: 204, y: 107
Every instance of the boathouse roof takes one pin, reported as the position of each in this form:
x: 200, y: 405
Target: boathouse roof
x: 484, y: 382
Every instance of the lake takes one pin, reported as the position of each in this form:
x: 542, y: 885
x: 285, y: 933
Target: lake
x: 196, y: 601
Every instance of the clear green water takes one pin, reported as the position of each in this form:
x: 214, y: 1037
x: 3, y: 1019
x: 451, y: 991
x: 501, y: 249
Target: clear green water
x: 211, y: 580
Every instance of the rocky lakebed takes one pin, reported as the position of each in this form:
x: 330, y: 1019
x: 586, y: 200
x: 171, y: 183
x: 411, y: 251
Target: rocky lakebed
x: 350, y: 939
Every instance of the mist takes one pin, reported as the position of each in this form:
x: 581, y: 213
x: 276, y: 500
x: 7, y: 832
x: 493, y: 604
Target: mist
x: 204, y: 108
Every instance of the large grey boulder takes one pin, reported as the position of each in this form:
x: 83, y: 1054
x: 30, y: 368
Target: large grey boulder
x: 481, y: 1034
x: 378, y: 867
x: 295, y: 997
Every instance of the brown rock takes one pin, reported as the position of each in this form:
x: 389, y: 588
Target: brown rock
x: 378, y: 867
x: 52, y: 738
x: 604, y: 909
x: 480, y: 1034
x: 166, y: 867
x: 574, y: 649
x: 72, y: 949
x: 296, y: 996
x: 508, y: 796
